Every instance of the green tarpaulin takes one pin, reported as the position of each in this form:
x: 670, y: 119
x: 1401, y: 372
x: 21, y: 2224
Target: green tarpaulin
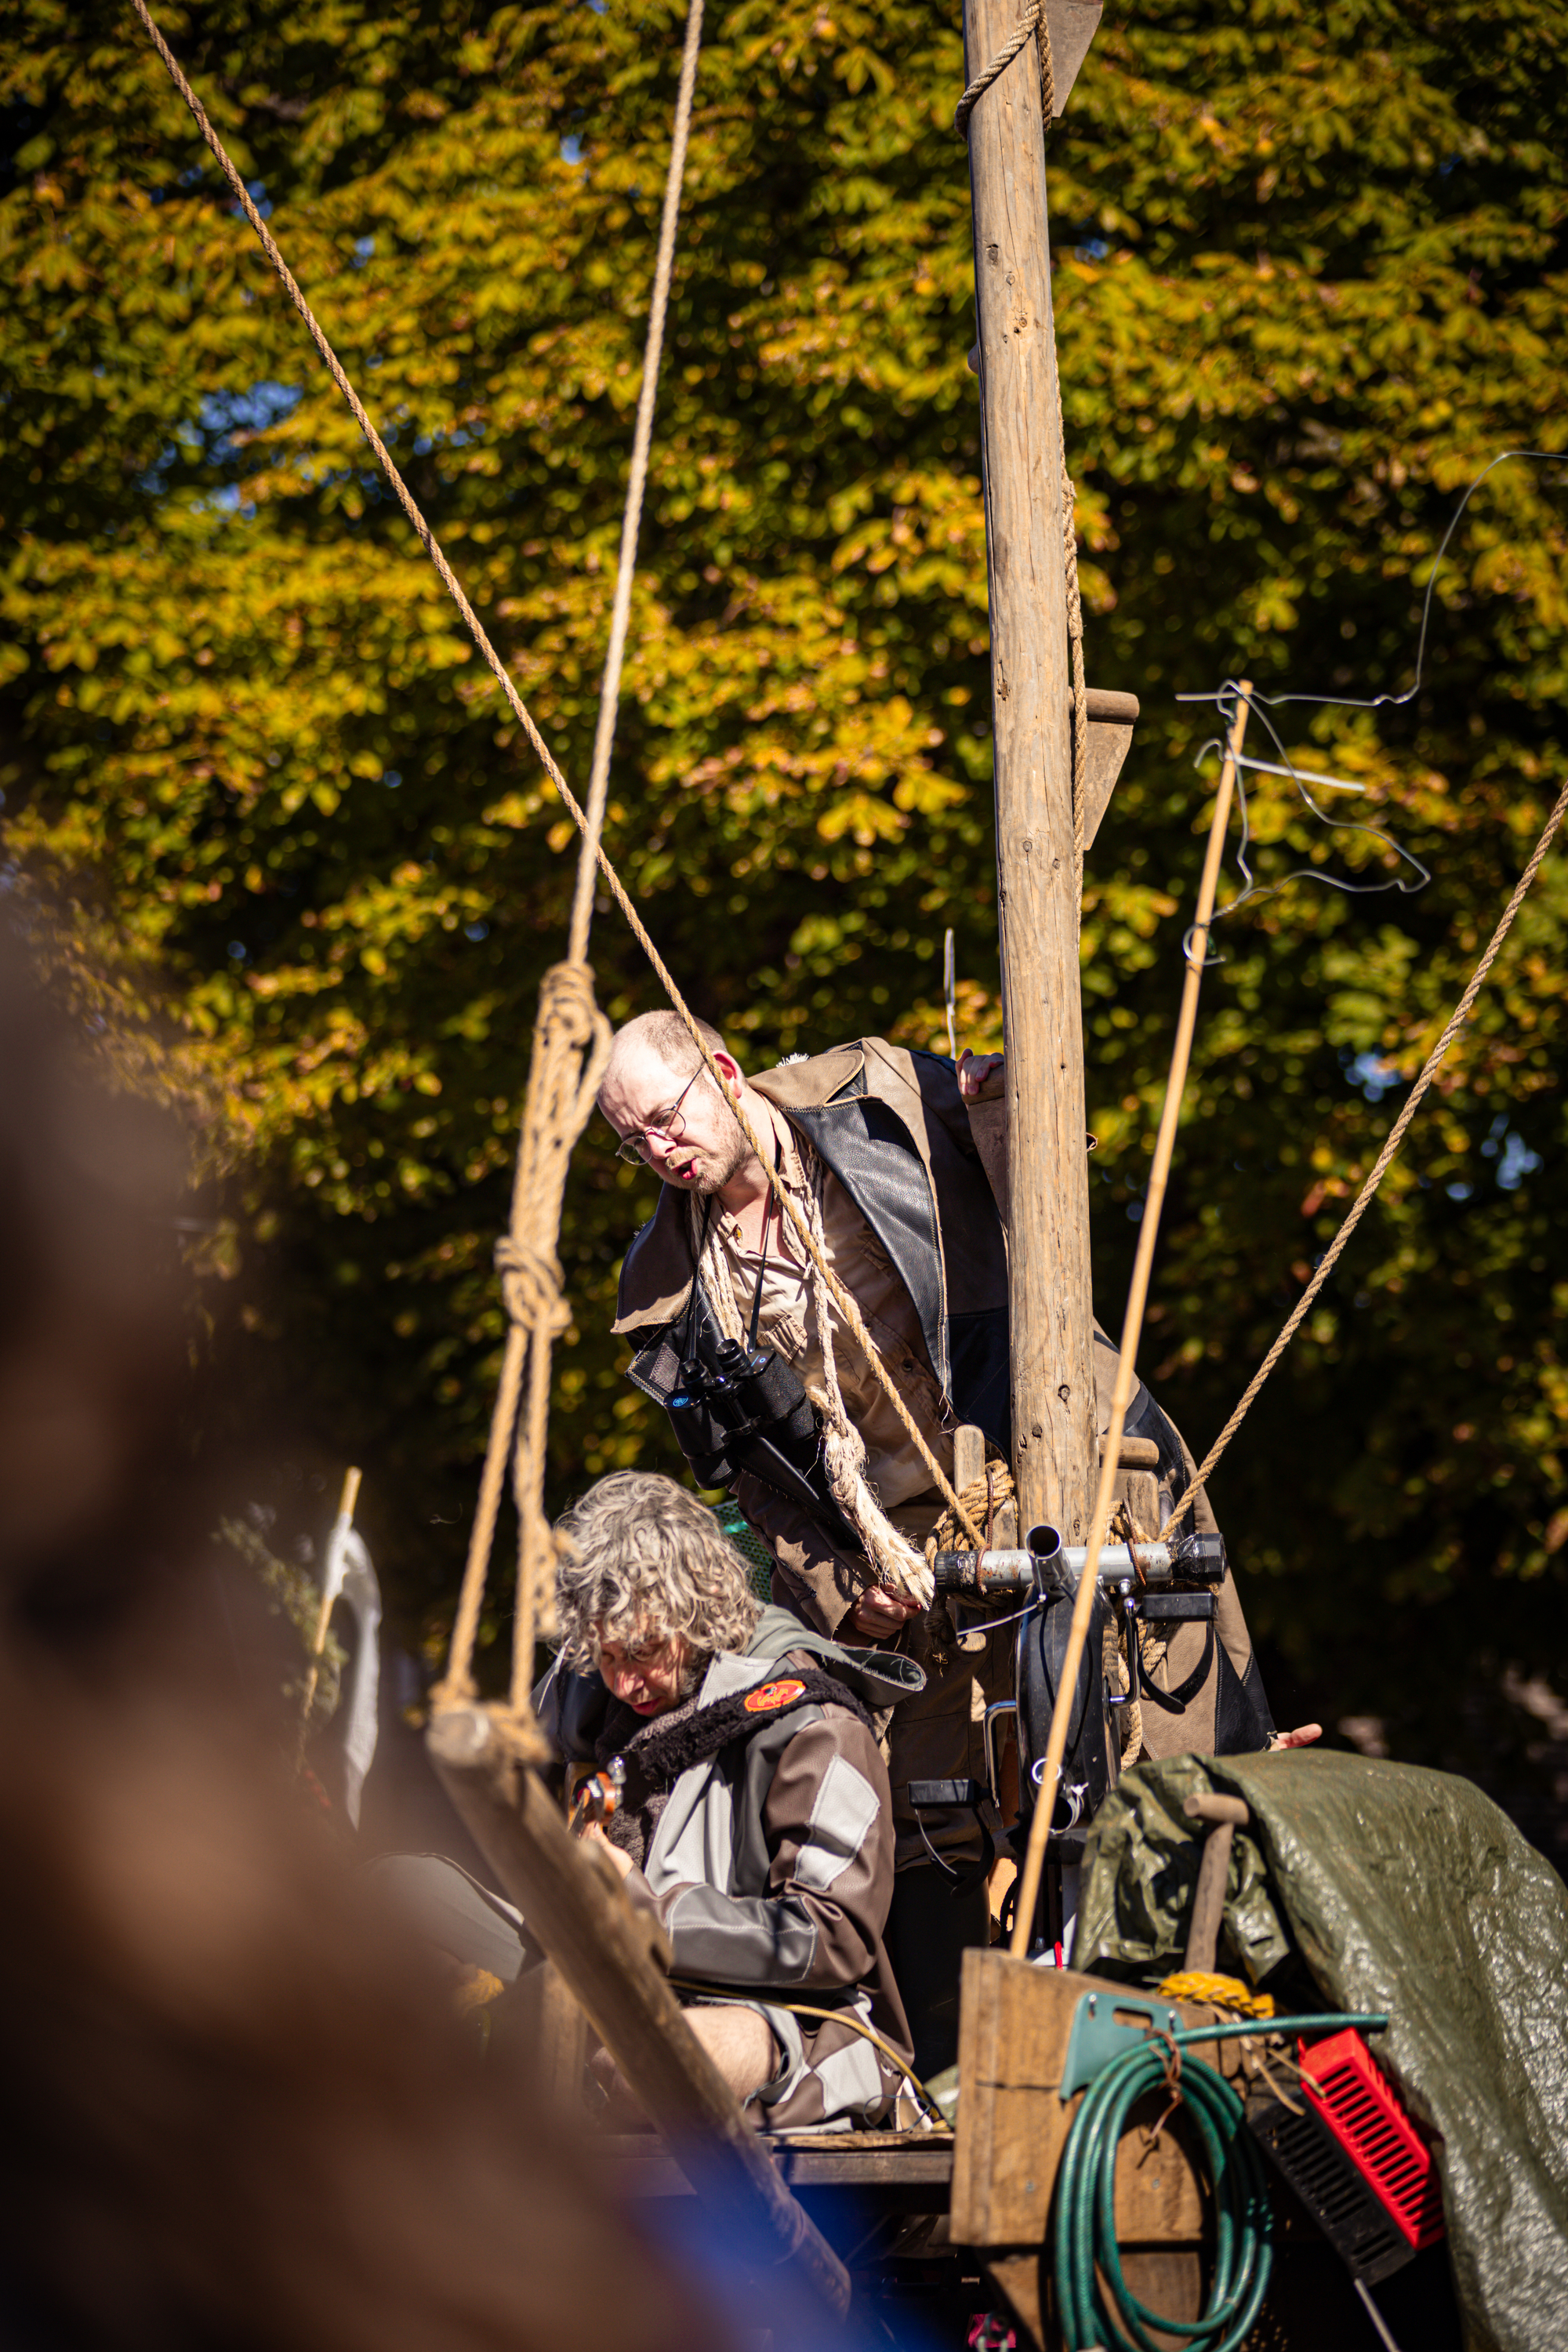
x: 1392, y: 1889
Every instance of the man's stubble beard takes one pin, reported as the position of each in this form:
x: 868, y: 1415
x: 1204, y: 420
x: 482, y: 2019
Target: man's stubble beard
x: 711, y: 1182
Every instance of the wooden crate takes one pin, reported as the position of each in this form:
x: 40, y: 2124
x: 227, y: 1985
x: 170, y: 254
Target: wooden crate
x: 1012, y: 2123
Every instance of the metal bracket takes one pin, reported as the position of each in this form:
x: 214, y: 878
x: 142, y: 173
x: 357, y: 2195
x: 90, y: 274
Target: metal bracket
x: 1096, y: 2038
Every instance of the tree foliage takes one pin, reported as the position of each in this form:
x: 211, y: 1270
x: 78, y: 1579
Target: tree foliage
x: 1308, y: 279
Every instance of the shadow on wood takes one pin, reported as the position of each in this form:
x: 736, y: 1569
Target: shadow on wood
x: 575, y: 1909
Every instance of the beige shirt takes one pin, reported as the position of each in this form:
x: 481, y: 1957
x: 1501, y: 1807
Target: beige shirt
x: 789, y: 1324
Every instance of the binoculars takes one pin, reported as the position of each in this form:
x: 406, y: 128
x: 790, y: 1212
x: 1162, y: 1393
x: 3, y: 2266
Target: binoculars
x: 746, y: 1392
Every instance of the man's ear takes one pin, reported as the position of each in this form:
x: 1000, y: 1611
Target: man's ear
x: 729, y: 1070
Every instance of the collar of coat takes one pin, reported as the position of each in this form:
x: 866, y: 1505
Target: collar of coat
x: 669, y: 1746
x: 575, y: 1704
x: 851, y: 1104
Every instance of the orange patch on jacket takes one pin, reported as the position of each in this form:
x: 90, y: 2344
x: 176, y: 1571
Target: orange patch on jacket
x: 771, y: 1694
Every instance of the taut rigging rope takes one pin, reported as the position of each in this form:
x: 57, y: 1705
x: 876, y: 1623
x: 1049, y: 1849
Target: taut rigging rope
x: 570, y: 1026
x: 1363, y: 1201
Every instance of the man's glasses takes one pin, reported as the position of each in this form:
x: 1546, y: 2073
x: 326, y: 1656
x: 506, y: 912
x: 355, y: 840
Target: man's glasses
x: 670, y: 1126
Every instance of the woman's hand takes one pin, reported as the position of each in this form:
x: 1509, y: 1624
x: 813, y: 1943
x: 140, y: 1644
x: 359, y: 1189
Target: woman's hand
x: 879, y: 1613
x: 980, y: 1076
x: 1301, y: 1738
x: 595, y: 1835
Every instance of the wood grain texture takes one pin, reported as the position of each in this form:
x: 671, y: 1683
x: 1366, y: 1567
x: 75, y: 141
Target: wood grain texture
x: 1014, y: 2026
x: 1052, y: 1335
x: 575, y: 1908
x: 1107, y: 747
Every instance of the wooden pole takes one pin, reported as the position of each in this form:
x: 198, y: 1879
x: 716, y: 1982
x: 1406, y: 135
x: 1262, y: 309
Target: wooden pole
x: 1196, y: 951
x: 1038, y: 885
x: 600, y: 1944
x: 1226, y: 1815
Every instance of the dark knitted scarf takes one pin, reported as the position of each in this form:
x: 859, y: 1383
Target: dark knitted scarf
x: 662, y: 1747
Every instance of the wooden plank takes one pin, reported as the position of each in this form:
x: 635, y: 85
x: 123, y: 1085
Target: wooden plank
x: 644, y: 2166
x: 968, y: 1456
x: 1073, y: 24
x: 1107, y: 748
x: 1038, y: 899
x: 1019, y: 2279
x: 562, y: 2039
x: 1014, y: 2025
x: 579, y: 1916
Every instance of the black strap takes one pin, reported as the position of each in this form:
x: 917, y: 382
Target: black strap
x: 696, y: 1281
x: 757, y: 1294
x: 1174, y: 1701
x: 960, y: 1881
x: 662, y: 1756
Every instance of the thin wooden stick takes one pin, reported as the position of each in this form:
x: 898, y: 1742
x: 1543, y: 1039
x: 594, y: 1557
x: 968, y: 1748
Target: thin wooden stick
x: 1197, y: 942
x: 340, y: 1526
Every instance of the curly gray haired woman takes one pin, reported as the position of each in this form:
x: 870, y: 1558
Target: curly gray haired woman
x: 651, y: 1568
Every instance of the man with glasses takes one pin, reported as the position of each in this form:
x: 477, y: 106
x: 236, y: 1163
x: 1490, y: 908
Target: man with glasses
x: 903, y: 1158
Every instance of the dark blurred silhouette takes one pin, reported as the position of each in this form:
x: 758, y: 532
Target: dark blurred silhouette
x: 239, y: 2111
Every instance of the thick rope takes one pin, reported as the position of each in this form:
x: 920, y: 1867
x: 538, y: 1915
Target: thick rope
x: 1196, y: 948
x: 892, y: 1557
x: 893, y: 1561
x: 1331, y: 1256
x: 1032, y: 18
x: 713, y: 1270
x: 610, y: 697
x: 840, y: 1295
x: 571, y: 1050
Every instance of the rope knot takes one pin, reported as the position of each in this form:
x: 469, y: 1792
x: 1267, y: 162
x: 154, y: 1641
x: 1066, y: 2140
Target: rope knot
x: 532, y: 1285
x: 566, y: 1002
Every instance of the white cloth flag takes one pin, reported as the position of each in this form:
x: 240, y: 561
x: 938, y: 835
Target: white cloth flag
x: 351, y: 1577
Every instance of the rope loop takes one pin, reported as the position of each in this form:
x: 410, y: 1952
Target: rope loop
x: 532, y: 1284
x: 571, y: 1050
x: 1032, y: 18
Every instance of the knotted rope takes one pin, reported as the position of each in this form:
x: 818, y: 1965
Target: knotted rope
x: 1363, y: 1202
x: 894, y: 1561
x: 570, y: 1048
x: 892, y: 1556
x: 588, y: 822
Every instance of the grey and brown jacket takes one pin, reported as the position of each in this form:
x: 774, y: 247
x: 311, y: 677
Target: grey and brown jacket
x: 769, y: 1866
x: 928, y: 1173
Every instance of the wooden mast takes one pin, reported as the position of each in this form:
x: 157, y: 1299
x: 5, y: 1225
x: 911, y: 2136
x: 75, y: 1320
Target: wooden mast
x: 1037, y: 888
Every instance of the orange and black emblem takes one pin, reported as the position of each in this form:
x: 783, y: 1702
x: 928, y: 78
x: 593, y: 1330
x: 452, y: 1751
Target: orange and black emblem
x: 762, y: 1701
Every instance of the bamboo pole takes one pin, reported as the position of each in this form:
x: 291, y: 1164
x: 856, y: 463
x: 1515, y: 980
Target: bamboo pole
x: 1197, y: 942
x: 1049, y: 1292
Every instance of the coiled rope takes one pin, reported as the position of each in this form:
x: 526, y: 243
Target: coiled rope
x: 531, y: 1274
x: 1095, y: 2304
x: 1363, y: 1198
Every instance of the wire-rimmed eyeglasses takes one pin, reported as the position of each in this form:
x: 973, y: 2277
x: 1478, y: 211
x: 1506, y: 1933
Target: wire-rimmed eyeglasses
x: 668, y: 1125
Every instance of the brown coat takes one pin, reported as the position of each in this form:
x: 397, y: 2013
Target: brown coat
x: 928, y: 1174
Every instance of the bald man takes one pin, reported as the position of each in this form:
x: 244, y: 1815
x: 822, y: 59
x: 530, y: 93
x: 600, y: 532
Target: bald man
x: 906, y: 1157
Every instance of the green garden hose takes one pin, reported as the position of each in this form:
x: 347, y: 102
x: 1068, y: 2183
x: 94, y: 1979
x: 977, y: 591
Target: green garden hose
x: 1094, y: 2303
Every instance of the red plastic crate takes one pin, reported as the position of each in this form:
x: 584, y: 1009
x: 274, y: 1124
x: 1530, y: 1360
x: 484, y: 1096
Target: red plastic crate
x: 1367, y: 2119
